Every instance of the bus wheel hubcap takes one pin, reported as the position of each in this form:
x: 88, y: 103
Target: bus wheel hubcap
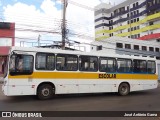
x: 45, y: 92
x: 124, y: 89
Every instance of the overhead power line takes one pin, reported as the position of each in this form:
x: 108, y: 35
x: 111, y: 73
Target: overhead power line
x: 80, y: 5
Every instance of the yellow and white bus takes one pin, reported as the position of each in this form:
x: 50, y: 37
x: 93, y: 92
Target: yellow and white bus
x: 45, y: 72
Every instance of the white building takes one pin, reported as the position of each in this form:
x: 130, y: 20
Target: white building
x: 137, y: 19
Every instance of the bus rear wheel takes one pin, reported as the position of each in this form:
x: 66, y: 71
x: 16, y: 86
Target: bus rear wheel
x: 124, y: 89
x: 45, y: 91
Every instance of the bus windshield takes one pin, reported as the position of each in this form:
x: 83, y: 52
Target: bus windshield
x: 21, y: 64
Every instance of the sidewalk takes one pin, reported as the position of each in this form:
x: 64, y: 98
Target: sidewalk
x: 1, y: 80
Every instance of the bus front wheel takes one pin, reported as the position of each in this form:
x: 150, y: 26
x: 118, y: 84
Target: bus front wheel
x: 124, y: 89
x: 45, y: 91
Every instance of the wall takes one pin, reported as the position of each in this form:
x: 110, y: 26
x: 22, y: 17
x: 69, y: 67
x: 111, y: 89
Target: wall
x: 7, y: 39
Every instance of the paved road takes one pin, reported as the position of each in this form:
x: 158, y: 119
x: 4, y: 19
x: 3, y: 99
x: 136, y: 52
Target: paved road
x: 136, y: 101
x: 144, y: 100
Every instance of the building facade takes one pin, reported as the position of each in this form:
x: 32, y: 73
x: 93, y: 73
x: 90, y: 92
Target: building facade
x: 137, y: 19
x: 7, y: 39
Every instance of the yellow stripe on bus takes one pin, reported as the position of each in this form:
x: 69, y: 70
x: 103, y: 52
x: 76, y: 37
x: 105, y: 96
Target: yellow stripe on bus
x: 81, y: 75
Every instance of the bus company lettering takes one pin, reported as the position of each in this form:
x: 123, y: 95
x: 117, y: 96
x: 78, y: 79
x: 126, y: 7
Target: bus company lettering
x: 107, y: 75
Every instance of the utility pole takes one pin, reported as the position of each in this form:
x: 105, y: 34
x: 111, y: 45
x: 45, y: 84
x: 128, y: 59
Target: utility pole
x: 64, y: 24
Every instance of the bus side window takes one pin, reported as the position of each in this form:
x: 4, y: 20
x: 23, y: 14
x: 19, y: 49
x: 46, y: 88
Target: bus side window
x: 139, y: 66
x: 45, y: 61
x: 66, y: 62
x: 40, y: 61
x: 107, y: 64
x: 88, y: 63
x: 124, y: 65
x: 151, y: 67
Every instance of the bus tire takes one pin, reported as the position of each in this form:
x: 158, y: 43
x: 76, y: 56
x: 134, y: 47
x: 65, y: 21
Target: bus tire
x: 45, y: 91
x: 124, y: 89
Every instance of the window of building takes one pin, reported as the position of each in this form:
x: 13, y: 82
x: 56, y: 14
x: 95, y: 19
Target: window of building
x: 136, y: 47
x: 99, y: 47
x: 151, y: 49
x: 137, y: 11
x: 154, y: 2
x: 119, y: 45
x: 107, y: 64
x: 144, y: 48
x: 128, y: 46
x: 137, y: 19
x: 135, y: 36
x: 66, y: 62
x: 151, y: 67
x: 158, y: 58
x: 136, y: 3
x: 139, y: 66
x: 157, y: 49
x: 124, y: 65
x: 150, y: 23
x: 134, y: 20
x: 45, y: 61
x: 158, y: 40
x: 88, y: 63
x: 131, y: 36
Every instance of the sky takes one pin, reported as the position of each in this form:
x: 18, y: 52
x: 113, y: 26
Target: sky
x: 46, y: 16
